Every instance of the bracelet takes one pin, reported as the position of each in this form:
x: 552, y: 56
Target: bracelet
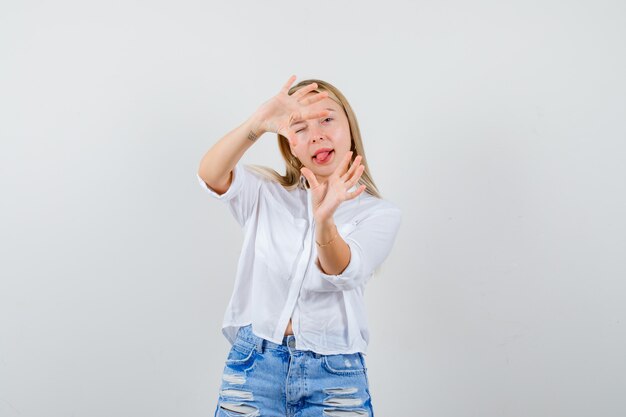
x: 331, y: 240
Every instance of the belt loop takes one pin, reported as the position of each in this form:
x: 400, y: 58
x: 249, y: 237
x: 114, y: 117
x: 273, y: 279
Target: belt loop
x: 259, y: 344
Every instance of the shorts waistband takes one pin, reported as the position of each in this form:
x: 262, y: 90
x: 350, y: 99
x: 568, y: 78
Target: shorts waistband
x: 245, y: 335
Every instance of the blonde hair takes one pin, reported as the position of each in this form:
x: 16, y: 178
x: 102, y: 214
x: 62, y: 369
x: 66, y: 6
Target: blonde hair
x: 291, y: 179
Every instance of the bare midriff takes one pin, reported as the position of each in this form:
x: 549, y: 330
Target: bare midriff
x: 288, y: 330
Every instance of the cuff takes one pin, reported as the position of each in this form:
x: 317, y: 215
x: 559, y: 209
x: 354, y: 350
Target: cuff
x: 351, y: 277
x: 234, y: 188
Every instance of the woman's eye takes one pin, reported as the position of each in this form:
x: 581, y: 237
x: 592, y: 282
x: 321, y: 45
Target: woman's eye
x: 328, y: 118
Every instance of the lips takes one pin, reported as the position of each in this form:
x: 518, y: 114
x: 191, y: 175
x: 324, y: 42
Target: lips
x: 323, y: 158
x: 322, y: 153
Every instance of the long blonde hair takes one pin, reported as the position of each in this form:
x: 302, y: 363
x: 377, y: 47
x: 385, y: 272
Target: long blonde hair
x: 291, y: 179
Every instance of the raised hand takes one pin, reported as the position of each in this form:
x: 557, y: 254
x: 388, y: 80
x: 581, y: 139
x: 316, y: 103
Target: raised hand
x: 280, y: 112
x: 327, y: 196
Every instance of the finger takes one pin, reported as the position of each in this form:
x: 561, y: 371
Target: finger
x: 355, y: 177
x: 356, y: 192
x: 355, y: 165
x: 308, y: 174
x: 315, y: 115
x: 286, y: 133
x: 287, y: 85
x: 315, y: 98
x: 343, y: 165
x: 304, y: 90
x: 291, y: 140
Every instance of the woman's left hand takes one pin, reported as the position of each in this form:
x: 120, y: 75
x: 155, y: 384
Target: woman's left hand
x: 327, y: 196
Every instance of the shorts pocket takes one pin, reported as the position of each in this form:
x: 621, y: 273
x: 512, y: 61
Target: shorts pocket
x: 344, y: 364
x: 241, y: 355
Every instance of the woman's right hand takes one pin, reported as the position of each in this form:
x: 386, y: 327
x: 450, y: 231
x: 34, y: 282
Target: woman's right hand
x: 280, y: 112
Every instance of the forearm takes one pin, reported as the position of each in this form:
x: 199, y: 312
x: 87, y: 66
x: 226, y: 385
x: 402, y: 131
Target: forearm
x: 334, y: 257
x: 217, y: 164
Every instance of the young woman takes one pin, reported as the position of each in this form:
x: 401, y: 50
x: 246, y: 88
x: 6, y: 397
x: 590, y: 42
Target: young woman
x: 313, y: 238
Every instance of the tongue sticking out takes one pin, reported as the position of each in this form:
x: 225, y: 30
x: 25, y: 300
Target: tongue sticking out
x: 322, y: 156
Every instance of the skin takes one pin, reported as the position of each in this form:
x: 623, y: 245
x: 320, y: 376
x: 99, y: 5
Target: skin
x: 329, y: 182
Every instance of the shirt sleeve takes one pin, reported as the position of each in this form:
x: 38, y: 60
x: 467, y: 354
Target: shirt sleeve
x: 243, y: 194
x: 370, y: 243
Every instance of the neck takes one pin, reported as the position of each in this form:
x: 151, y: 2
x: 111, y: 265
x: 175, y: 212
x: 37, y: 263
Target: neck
x: 321, y: 180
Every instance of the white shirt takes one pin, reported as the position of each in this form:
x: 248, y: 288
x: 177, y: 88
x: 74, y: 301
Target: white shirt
x: 277, y: 274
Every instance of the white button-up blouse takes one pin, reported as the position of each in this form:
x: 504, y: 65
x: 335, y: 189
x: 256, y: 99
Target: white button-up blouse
x: 278, y: 277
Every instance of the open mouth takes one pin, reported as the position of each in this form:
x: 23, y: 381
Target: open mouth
x: 323, y: 157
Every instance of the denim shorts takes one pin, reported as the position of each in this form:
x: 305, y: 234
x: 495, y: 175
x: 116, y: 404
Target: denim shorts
x: 265, y: 379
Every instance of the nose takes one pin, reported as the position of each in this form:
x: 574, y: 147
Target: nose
x: 316, y: 135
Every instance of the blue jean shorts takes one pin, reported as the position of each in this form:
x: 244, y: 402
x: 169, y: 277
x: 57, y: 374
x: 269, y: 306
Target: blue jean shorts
x: 265, y: 379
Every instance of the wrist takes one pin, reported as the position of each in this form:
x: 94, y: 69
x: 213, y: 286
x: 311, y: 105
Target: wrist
x: 255, y: 124
x: 326, y: 235
x: 326, y: 224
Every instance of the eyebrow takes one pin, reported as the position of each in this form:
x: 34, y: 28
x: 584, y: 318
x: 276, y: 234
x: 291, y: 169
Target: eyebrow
x: 303, y: 121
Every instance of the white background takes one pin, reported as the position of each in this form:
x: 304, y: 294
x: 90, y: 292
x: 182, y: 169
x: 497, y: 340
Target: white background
x: 497, y: 127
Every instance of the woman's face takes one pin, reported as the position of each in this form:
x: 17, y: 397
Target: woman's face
x: 330, y: 135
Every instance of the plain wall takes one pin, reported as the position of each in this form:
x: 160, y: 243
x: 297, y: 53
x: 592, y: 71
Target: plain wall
x: 497, y: 127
